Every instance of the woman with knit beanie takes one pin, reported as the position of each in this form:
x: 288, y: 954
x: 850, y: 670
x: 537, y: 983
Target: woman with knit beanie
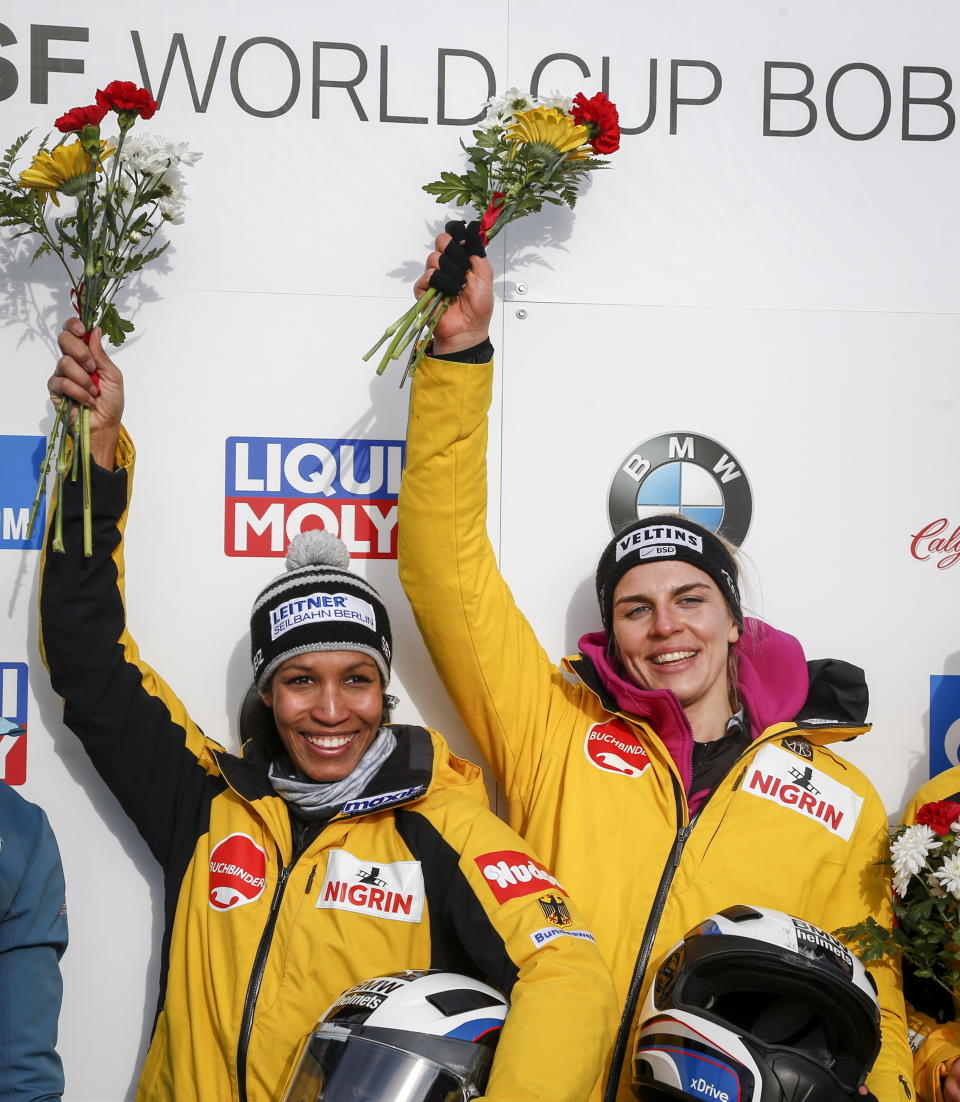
x: 335, y: 848
x: 684, y: 760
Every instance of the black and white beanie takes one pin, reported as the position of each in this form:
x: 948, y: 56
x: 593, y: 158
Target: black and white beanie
x: 666, y: 536
x: 318, y: 604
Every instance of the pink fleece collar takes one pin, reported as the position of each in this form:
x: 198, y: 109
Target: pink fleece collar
x: 773, y: 685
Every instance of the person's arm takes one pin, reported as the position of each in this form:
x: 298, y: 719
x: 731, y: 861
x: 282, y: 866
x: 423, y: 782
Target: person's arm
x: 525, y: 936
x: 936, y: 1069
x: 135, y: 730
x: 33, y: 936
x: 485, y: 652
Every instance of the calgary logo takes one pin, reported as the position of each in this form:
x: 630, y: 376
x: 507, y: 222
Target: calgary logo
x: 511, y: 874
x: 687, y: 474
x: 931, y: 540
x: 612, y: 748
x: 238, y: 871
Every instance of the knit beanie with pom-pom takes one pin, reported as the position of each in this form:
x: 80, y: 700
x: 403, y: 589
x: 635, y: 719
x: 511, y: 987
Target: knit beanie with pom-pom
x: 318, y: 604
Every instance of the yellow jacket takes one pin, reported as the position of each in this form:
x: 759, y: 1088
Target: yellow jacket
x: 936, y: 1043
x: 616, y: 828
x: 259, y: 939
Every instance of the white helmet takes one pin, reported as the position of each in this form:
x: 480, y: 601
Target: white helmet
x: 420, y: 1036
x: 756, y: 1005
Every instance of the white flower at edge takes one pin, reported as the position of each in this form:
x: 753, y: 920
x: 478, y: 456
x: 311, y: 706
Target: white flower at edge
x: 909, y: 852
x: 501, y: 109
x: 171, y: 210
x: 558, y: 102
x: 949, y: 874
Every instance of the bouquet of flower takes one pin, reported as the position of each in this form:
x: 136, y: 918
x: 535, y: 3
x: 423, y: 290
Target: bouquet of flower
x: 926, y: 901
x: 125, y: 189
x: 526, y: 152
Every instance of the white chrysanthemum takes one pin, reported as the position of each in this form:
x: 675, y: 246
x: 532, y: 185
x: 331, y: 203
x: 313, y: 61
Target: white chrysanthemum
x: 501, y: 109
x: 179, y: 153
x: 909, y: 852
x: 901, y: 882
x: 949, y: 874
x: 170, y: 182
x: 171, y: 210
x: 558, y: 102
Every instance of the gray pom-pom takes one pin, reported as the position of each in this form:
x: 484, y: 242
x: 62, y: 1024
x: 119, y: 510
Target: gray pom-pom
x: 317, y: 547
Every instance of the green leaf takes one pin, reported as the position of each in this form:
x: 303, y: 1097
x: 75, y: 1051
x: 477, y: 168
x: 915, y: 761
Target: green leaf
x: 115, y: 328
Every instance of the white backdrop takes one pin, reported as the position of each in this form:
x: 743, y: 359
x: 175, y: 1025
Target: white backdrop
x: 793, y: 297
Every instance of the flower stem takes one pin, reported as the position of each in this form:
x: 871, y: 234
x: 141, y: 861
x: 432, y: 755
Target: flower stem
x: 420, y: 346
x: 403, y: 320
x: 85, y: 470
x: 45, y: 467
x: 414, y: 321
x: 62, y: 465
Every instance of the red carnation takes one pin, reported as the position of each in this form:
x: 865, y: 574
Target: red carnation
x: 125, y: 97
x: 939, y: 816
x: 601, y: 119
x: 79, y: 117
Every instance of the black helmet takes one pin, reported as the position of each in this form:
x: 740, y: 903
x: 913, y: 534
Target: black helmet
x: 421, y: 1036
x: 754, y: 1005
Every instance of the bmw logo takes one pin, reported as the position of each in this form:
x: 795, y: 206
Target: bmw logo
x: 683, y: 473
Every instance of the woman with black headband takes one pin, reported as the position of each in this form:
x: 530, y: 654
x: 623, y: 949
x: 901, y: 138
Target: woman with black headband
x: 335, y: 848
x: 690, y: 763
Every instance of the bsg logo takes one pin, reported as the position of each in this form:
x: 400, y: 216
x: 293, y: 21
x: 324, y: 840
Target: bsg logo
x: 277, y: 488
x: 13, y: 722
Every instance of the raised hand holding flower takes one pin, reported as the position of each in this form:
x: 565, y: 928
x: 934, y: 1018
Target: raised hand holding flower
x: 124, y: 194
x: 525, y: 153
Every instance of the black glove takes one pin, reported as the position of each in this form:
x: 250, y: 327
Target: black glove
x: 451, y: 277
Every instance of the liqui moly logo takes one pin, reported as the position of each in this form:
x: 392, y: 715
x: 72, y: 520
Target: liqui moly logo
x: 511, y: 874
x: 238, y: 872
x: 613, y: 748
x: 13, y: 722
x: 937, y: 540
x: 780, y: 777
x: 278, y: 487
x: 393, y: 891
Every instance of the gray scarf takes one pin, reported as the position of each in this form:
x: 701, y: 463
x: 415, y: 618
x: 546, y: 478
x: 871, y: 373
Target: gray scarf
x: 314, y: 799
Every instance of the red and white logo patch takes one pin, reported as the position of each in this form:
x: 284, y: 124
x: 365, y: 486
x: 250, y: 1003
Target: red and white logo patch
x: 784, y: 779
x: 238, y: 872
x: 511, y: 874
x: 613, y: 748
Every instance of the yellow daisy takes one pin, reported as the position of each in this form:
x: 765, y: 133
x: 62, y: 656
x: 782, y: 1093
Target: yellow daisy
x: 64, y: 169
x: 552, y: 131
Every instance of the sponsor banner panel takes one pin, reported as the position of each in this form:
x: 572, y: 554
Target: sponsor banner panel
x: 13, y: 722
x: 20, y: 461
x: 276, y: 488
x: 944, y: 722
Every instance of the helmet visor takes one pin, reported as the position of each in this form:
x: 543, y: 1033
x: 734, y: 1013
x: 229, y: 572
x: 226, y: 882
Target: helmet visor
x: 348, y: 1068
